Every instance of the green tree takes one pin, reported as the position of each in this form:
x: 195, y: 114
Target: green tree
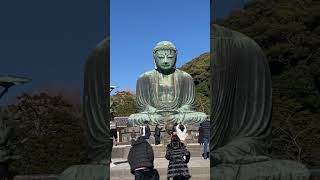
x: 124, y: 104
x: 48, y: 134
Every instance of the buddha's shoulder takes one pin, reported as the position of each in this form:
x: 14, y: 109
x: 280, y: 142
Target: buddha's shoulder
x: 147, y: 74
x: 153, y: 72
x: 183, y: 73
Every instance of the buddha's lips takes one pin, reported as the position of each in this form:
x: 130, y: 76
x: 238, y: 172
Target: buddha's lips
x: 166, y: 66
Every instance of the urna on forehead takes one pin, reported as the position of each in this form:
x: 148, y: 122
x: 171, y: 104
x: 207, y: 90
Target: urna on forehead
x: 165, y: 45
x: 165, y: 52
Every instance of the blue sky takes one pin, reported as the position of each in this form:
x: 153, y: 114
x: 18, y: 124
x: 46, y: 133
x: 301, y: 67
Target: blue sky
x: 136, y: 26
x: 49, y: 41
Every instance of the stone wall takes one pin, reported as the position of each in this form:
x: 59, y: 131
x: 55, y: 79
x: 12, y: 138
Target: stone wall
x: 192, y: 131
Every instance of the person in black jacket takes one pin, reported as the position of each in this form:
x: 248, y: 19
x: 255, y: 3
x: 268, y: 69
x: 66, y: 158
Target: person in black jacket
x: 140, y: 159
x: 200, y: 137
x: 157, y: 134
x: 178, y: 157
x: 205, y: 126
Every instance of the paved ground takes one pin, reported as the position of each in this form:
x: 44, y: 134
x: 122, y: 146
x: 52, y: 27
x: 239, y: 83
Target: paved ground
x: 120, y: 169
x: 161, y: 163
x: 153, y: 145
x: 199, y: 168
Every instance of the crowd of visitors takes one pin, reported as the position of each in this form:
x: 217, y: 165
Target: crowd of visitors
x: 141, y: 155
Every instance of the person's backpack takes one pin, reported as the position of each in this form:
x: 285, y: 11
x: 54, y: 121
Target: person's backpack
x: 156, y: 175
x: 188, y: 156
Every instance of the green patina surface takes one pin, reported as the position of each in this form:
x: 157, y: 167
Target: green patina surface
x: 166, y: 94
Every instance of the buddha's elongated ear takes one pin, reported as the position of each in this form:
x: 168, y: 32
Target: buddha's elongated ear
x: 154, y: 59
x: 176, y: 58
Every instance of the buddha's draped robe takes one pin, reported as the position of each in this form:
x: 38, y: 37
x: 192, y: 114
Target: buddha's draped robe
x: 241, y: 97
x: 97, y: 116
x: 168, y: 93
x: 241, y: 103
x: 96, y: 103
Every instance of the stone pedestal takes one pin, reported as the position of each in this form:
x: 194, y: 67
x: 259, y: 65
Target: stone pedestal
x: 264, y: 170
x: 86, y: 172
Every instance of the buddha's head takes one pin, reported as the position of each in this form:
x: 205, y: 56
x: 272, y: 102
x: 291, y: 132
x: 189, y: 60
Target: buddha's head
x: 165, y: 56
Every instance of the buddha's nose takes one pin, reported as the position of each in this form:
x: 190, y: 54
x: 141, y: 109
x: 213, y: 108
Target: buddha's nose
x: 165, y: 60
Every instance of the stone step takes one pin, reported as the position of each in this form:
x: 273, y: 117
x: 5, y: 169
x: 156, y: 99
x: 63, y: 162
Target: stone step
x: 195, y: 172
x: 37, y: 177
x: 195, y: 177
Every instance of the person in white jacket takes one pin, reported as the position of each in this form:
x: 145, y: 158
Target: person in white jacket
x: 182, y: 133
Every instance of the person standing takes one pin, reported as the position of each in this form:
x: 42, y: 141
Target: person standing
x: 140, y: 159
x: 133, y: 134
x: 182, y: 133
x: 200, y: 137
x: 113, y: 132
x: 157, y: 134
x: 145, y: 131
x: 178, y: 157
x: 174, y: 129
x: 206, y: 135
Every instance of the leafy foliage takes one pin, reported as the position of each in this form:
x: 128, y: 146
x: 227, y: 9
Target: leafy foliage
x: 199, y: 69
x: 48, y: 134
x: 124, y: 104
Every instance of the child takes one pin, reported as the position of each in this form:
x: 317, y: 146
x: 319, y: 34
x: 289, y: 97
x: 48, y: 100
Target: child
x: 178, y: 157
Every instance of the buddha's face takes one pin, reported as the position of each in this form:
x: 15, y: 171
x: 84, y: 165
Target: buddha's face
x: 165, y: 59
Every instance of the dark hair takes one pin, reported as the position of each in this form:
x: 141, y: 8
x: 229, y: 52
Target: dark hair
x: 181, y: 127
x: 175, y: 138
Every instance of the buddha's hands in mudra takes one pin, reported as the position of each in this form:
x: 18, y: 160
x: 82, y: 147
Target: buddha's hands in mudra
x: 167, y: 112
x: 184, y: 109
x: 153, y: 110
x: 150, y: 109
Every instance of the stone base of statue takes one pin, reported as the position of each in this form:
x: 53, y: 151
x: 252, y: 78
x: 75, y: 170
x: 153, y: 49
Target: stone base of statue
x: 85, y: 172
x: 264, y: 170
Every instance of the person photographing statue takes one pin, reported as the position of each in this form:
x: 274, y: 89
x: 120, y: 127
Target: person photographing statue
x: 182, y: 133
x: 146, y: 131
